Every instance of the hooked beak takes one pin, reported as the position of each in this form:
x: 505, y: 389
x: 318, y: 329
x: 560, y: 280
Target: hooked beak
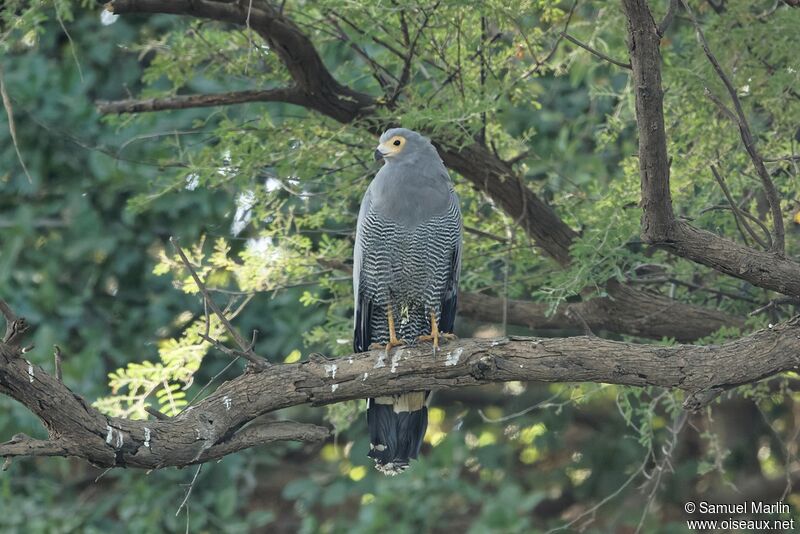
x: 378, y: 154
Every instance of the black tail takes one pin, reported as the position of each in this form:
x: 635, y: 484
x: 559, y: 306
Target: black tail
x: 397, y: 425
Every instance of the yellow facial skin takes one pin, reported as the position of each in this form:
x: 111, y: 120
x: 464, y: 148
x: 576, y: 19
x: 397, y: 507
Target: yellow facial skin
x: 392, y: 146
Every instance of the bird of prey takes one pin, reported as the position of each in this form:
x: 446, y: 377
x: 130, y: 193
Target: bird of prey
x: 406, y: 265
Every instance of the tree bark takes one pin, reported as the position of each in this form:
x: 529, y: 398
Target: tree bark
x: 767, y: 269
x: 218, y: 425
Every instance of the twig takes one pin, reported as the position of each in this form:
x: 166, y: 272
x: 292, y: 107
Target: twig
x: 668, y: 17
x: 71, y: 42
x: 773, y: 303
x: 211, y: 381
x: 189, y: 491
x: 747, y: 138
x: 15, y: 326
x: 12, y: 128
x: 247, y: 351
x: 752, y: 218
x: 9, y: 314
x: 406, y: 72
x: 594, y: 51
x: 550, y: 54
x: 155, y: 413
x: 290, y: 95
x: 57, y: 356
x: 737, y: 213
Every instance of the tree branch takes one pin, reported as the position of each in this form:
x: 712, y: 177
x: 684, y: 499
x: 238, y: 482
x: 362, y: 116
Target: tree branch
x: 217, y: 425
x: 292, y: 46
x: 630, y: 312
x: 246, y: 350
x: 747, y: 138
x: 289, y: 95
x: 766, y: 269
x: 594, y: 51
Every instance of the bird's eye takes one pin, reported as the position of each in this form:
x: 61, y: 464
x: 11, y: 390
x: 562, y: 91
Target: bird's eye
x: 396, y: 142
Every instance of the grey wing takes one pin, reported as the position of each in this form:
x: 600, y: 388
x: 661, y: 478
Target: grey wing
x: 363, y: 305
x: 447, y: 318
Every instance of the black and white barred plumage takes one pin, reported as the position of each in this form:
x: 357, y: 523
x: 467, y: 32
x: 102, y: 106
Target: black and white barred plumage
x: 408, y: 257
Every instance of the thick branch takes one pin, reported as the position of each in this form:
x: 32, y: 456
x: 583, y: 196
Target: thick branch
x: 294, y: 48
x: 627, y: 311
x: 659, y: 226
x: 289, y: 95
x: 213, y: 427
x: 630, y: 311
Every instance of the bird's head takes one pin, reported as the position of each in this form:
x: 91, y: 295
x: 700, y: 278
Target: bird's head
x: 403, y: 145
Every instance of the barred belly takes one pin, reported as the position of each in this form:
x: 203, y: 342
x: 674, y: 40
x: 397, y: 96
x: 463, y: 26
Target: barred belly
x: 408, y: 269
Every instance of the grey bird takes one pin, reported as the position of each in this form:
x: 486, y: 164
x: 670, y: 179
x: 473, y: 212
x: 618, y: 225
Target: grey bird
x: 406, y: 264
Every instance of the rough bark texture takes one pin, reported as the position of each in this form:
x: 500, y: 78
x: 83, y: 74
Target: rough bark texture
x: 770, y: 270
x: 215, y: 426
x: 290, y: 95
x: 630, y: 312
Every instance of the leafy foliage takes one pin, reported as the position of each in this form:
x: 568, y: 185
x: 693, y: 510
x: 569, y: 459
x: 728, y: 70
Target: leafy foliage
x: 265, y: 197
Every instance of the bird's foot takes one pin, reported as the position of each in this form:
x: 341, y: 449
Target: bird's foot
x: 437, y: 338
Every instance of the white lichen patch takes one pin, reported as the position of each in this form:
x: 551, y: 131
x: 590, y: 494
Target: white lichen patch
x: 350, y: 360
x: 147, y: 437
x: 226, y: 400
x: 381, y: 361
x: 115, y: 436
x: 396, y: 360
x: 30, y: 372
x: 330, y: 370
x: 334, y: 387
x: 365, y: 377
x: 453, y: 357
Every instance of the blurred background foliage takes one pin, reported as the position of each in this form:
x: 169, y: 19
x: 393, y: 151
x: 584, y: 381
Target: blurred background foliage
x: 264, y: 199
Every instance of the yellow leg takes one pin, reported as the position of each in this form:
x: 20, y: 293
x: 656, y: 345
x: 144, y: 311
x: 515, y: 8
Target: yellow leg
x: 393, y: 341
x: 435, y: 335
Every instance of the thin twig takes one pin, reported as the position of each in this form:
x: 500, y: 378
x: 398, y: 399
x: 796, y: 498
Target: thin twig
x: 8, y: 313
x: 247, y: 351
x: 189, y: 491
x: 594, y: 51
x: 155, y: 413
x: 12, y: 128
x: 737, y: 213
x: 754, y: 219
x: 71, y: 42
x: 747, y: 138
x: 774, y: 303
x: 668, y: 17
x: 57, y: 356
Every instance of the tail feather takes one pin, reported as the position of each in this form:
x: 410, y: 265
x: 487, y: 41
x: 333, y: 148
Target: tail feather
x: 397, y: 426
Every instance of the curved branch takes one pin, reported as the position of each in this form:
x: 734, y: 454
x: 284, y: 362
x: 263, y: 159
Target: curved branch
x: 767, y: 269
x: 285, y: 38
x: 217, y: 425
